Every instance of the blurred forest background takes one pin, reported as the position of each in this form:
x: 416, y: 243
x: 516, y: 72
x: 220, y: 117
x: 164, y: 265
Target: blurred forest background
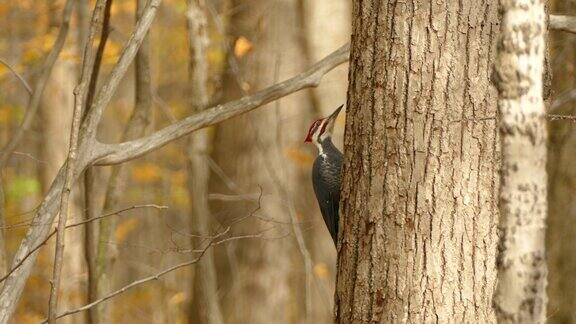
x: 250, y: 174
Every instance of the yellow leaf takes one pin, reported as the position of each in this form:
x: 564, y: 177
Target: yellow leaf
x: 242, y: 47
x: 3, y: 71
x: 146, y: 173
x: 321, y: 270
x: 301, y: 157
x: 178, y: 298
x: 5, y: 114
x: 124, y: 228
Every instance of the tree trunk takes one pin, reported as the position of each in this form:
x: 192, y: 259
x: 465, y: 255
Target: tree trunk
x: 55, y: 116
x: 561, y: 236
x: 266, y: 282
x: 419, y: 198
x: 140, y: 119
x: 206, y: 303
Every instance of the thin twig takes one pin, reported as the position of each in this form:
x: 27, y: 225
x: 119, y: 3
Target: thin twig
x: 15, y: 283
x: 144, y: 280
x: 17, y: 75
x: 74, y: 225
x: 553, y: 117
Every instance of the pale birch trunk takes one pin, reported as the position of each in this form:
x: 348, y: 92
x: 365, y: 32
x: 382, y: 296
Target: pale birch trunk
x: 419, y: 198
x: 521, y: 296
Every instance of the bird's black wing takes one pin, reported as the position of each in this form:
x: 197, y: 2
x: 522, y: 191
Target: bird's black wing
x: 326, y: 179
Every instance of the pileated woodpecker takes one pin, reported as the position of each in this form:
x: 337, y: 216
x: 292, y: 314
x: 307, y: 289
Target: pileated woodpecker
x: 326, y: 176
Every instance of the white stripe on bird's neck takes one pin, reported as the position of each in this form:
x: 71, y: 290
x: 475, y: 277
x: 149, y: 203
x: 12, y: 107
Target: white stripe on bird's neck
x: 320, y: 149
x: 324, y: 137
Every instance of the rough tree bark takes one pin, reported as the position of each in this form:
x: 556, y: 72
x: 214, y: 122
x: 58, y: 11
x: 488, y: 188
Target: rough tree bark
x: 419, y: 198
x: 521, y: 293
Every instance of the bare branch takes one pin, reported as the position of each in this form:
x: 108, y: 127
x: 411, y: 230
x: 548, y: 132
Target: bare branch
x: 105, y: 32
x: 75, y: 225
x: 146, y: 279
x: 120, y: 68
x: 118, y: 153
x: 563, y: 23
x: 15, y: 282
x: 17, y: 75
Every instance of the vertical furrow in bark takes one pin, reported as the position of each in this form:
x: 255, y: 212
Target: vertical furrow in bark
x: 418, y: 201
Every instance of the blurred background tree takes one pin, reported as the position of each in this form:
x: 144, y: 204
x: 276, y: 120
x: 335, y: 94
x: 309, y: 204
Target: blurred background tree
x: 250, y: 173
x: 255, y: 168
x: 561, y: 235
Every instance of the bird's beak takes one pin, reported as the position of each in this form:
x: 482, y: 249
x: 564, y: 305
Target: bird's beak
x: 334, y: 115
x: 308, y: 138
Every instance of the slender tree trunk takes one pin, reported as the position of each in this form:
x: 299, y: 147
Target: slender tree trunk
x: 521, y: 296
x: 561, y: 236
x: 206, y: 303
x: 137, y: 124
x: 419, y: 197
x: 55, y: 115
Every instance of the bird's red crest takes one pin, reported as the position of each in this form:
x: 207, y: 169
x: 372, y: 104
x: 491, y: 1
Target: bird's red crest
x: 312, y: 130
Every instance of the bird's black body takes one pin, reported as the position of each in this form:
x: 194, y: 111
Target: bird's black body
x: 327, y: 179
